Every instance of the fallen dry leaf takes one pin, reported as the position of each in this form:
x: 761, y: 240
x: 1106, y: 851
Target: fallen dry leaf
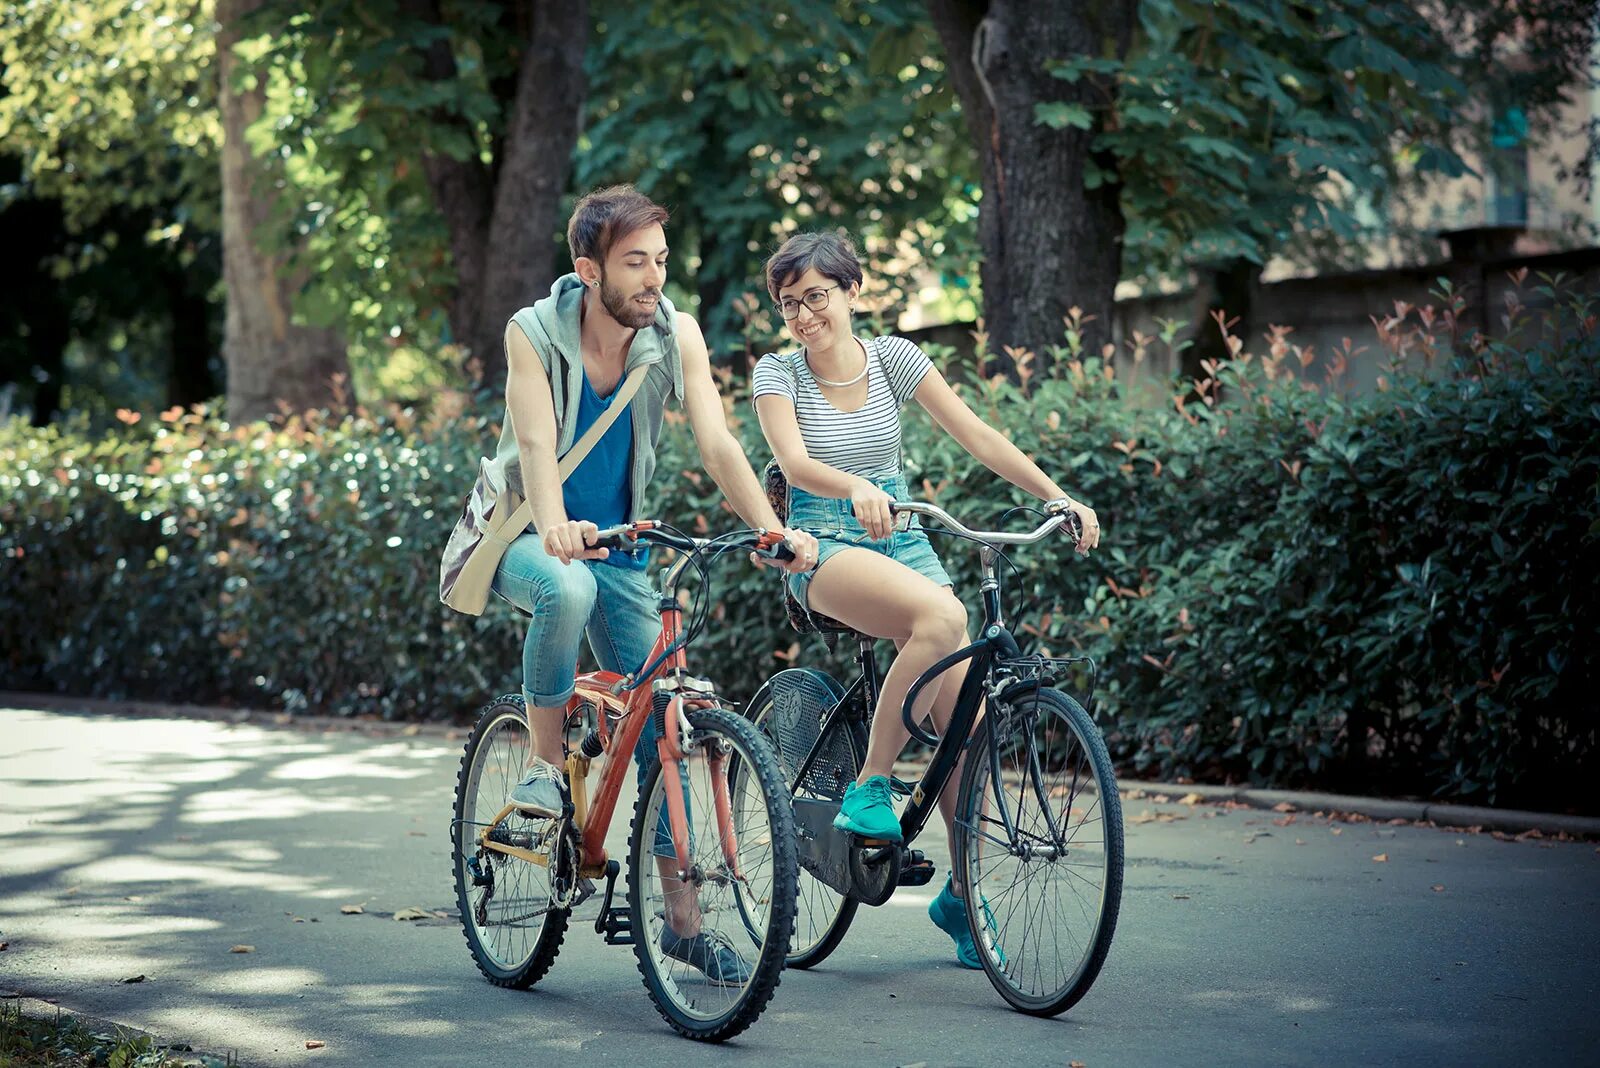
x: 410, y: 730
x: 1189, y: 799
x: 4, y: 946
x: 1283, y: 806
x: 417, y: 834
x: 1335, y: 830
x: 71, y: 891
x: 1438, y: 888
x: 1381, y: 858
x: 351, y: 910
x: 242, y: 949
x: 1285, y: 821
x: 312, y: 1043
x: 412, y: 913
x: 1180, y: 897
x: 1161, y: 799
x: 1076, y: 1064
x: 1299, y: 841
x: 299, y: 919
x: 134, y: 979
x: 1135, y: 795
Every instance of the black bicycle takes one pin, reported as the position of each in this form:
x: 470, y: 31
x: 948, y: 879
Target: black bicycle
x: 1039, y: 821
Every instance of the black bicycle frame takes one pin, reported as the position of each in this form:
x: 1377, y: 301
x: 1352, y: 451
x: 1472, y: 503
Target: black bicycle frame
x: 996, y: 643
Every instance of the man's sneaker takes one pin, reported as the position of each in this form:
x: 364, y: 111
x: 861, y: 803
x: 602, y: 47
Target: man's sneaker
x: 714, y: 957
x: 539, y: 792
x: 868, y: 810
x: 949, y: 913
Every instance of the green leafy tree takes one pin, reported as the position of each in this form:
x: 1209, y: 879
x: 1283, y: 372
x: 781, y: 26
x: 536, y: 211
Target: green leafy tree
x: 754, y: 122
x: 1243, y: 130
x: 108, y: 191
x: 430, y: 143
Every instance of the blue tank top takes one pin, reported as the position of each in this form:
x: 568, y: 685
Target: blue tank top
x: 598, y: 489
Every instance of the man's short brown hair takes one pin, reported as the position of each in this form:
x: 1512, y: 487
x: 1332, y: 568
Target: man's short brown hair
x: 607, y: 215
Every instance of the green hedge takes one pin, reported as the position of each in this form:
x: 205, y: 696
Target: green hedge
x: 1394, y: 591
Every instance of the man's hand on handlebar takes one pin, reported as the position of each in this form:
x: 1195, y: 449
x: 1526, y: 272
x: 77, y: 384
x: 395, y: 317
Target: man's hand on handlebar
x: 1087, y: 524
x: 573, y: 540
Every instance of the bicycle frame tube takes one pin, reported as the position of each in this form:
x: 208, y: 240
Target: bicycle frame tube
x: 925, y: 797
x: 597, y: 686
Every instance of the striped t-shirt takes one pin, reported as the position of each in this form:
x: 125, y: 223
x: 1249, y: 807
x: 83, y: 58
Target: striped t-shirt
x: 864, y: 442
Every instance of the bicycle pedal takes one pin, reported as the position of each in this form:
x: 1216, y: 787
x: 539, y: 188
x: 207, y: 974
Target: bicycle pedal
x: 917, y: 870
x: 617, y: 927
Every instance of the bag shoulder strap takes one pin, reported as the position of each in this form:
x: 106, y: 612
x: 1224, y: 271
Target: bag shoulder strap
x: 522, y: 515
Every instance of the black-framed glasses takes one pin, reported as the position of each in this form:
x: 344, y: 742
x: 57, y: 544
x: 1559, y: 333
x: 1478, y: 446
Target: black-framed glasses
x: 815, y: 299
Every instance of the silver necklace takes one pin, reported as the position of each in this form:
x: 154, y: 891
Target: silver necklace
x: 865, y: 363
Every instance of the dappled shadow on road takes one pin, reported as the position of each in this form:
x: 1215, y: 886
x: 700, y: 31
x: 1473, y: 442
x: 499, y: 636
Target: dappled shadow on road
x: 154, y: 847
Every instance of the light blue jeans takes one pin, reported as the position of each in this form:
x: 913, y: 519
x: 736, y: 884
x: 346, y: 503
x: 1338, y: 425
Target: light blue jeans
x: 615, y: 606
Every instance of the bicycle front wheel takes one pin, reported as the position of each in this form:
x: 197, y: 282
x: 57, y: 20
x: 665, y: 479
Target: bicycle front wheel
x: 1039, y: 849
x: 711, y: 947
x: 512, y: 926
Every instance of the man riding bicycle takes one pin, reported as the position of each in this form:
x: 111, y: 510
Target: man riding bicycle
x: 566, y: 356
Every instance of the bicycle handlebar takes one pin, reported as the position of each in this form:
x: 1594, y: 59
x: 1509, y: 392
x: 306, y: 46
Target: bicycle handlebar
x: 624, y: 537
x: 993, y: 537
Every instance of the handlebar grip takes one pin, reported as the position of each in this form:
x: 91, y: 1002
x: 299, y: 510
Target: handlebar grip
x: 778, y: 550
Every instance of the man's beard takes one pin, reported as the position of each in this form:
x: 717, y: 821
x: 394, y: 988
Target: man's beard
x: 624, y: 309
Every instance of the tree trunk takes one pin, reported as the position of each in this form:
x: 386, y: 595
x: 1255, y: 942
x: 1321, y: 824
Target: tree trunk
x: 272, y: 363
x: 1049, y: 243
x: 541, y: 130
x: 505, y: 225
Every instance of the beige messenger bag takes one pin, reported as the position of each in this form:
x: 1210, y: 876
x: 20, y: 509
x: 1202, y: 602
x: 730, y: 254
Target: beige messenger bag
x: 472, y: 556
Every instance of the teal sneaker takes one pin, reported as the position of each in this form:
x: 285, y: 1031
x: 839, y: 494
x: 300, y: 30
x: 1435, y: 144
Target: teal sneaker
x: 949, y: 913
x: 868, y: 810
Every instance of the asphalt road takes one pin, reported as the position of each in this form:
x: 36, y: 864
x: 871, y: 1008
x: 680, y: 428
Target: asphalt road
x: 151, y: 847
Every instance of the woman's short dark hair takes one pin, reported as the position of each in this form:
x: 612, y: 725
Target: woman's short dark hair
x: 605, y: 216
x: 831, y: 254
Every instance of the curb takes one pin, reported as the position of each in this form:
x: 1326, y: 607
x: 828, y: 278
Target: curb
x: 1378, y: 808
x: 45, y: 1008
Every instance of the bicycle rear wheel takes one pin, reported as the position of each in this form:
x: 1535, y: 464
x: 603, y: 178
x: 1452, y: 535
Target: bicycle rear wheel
x: 713, y: 983
x: 1043, y: 894
x: 788, y: 710
x: 511, y: 925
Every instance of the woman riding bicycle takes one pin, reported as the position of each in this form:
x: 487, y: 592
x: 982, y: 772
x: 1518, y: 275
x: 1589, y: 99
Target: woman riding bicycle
x: 831, y: 414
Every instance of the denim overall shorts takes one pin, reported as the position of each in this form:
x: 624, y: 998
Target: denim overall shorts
x: 832, y: 522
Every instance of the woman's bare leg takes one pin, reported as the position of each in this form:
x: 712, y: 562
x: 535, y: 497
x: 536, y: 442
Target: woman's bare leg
x: 882, y: 597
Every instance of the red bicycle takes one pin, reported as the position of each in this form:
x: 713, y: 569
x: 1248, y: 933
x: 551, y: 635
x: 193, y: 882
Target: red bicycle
x: 711, y: 854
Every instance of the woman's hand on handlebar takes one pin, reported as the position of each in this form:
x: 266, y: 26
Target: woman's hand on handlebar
x: 1088, y: 523
x: 871, y: 506
x: 573, y: 540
